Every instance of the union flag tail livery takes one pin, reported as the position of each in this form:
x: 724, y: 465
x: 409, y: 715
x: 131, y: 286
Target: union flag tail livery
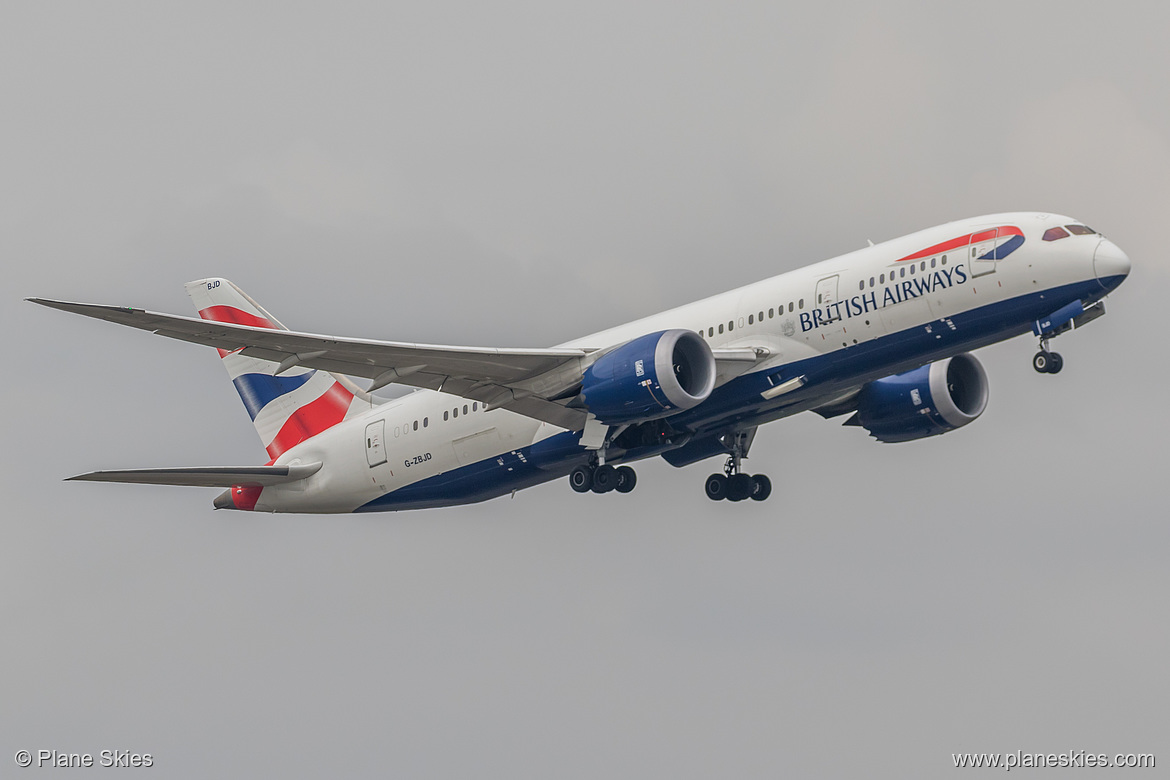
x: 880, y: 337
x: 287, y: 407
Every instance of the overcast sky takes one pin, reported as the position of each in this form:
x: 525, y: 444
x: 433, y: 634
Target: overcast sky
x: 518, y: 174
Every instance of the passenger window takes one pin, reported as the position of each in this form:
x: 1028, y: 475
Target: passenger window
x: 721, y: 327
x: 425, y: 421
x: 446, y: 415
x: 923, y: 268
x: 1055, y: 234
x: 861, y: 285
x: 801, y: 304
x: 771, y: 313
x: 711, y: 332
x: 871, y: 281
x: 397, y: 430
x: 751, y: 320
x: 730, y: 326
x: 416, y: 425
x: 741, y: 322
x: 475, y: 407
x: 455, y: 413
x: 883, y: 278
x: 465, y: 408
x: 944, y: 259
x: 902, y: 272
x: 933, y: 260
x: 911, y: 270
x: 760, y: 317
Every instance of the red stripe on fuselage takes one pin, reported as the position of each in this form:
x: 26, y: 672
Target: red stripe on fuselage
x: 970, y: 238
x: 245, y: 496
x: 306, y: 422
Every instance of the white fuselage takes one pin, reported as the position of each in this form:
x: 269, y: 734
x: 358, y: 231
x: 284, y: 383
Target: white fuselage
x: 815, y: 312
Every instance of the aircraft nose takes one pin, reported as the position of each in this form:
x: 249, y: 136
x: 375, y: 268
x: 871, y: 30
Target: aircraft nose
x: 1110, y: 264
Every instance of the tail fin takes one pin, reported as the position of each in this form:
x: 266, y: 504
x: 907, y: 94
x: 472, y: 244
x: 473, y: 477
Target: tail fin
x: 286, y: 409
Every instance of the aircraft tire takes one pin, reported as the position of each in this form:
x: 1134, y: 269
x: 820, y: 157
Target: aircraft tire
x: 1042, y: 362
x: 739, y: 487
x: 1056, y: 362
x: 627, y: 478
x: 581, y: 479
x: 761, y: 487
x: 716, y: 487
x: 604, y: 479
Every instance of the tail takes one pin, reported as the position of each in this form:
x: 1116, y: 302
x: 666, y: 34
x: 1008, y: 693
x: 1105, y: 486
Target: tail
x: 286, y: 409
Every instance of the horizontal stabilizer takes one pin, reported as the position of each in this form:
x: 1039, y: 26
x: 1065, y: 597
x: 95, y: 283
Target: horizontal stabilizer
x: 206, y: 476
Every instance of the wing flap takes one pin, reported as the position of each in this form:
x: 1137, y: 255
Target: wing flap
x: 205, y: 476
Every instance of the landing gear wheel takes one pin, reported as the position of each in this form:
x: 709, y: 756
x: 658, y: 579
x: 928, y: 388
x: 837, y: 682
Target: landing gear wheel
x: 1055, y: 362
x: 716, y: 487
x: 1042, y: 361
x: 581, y: 479
x: 604, y: 479
x: 761, y: 487
x: 626, y: 479
x: 739, y: 487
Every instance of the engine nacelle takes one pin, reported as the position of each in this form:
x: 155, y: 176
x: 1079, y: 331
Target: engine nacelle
x: 927, y: 401
x: 653, y: 376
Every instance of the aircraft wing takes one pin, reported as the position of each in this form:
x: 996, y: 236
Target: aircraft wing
x: 533, y: 382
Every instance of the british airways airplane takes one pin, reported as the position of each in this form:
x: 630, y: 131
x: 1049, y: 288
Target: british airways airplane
x: 882, y: 335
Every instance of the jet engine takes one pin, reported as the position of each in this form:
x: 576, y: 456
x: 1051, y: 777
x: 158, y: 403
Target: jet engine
x: 927, y: 401
x: 653, y: 376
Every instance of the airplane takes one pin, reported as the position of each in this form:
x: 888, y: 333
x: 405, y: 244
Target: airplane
x: 882, y: 334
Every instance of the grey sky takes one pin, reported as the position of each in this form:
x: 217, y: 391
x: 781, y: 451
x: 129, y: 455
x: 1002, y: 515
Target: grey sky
x: 520, y: 174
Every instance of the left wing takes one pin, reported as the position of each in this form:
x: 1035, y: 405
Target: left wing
x: 533, y: 382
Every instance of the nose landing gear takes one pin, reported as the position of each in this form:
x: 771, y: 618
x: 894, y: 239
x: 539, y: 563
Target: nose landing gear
x: 1046, y: 362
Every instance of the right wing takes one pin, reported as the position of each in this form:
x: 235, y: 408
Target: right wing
x: 537, y: 383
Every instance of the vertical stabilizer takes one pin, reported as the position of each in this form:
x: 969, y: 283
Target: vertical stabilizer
x: 286, y: 409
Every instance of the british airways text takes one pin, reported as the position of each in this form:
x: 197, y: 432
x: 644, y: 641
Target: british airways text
x: 892, y: 294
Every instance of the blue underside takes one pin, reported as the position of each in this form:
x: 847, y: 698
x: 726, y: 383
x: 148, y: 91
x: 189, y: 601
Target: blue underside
x: 738, y: 403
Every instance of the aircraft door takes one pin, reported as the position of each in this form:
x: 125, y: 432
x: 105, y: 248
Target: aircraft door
x: 981, y: 252
x: 376, y: 443
x: 828, y: 317
x: 826, y: 294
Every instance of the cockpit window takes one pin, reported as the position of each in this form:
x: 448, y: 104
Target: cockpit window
x: 1080, y: 230
x: 1055, y: 234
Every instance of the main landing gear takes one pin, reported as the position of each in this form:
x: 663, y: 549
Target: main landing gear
x: 1046, y: 362
x: 733, y: 484
x: 602, y: 479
